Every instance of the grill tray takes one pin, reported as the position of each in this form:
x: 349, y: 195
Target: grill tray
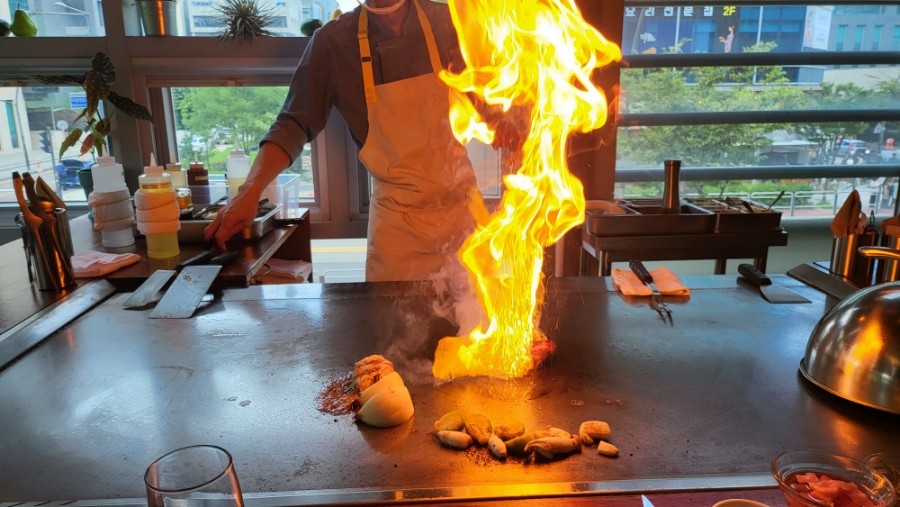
x: 644, y: 217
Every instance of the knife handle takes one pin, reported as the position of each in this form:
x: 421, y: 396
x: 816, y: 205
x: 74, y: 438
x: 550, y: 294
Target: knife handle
x: 754, y: 275
x: 201, y: 258
x: 641, y: 271
x: 224, y: 258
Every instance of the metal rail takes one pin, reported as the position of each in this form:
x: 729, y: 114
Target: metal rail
x: 775, y: 172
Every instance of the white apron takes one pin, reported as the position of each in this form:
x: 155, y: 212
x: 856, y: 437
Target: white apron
x: 418, y: 216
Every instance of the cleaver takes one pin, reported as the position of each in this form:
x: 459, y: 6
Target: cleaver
x: 773, y: 293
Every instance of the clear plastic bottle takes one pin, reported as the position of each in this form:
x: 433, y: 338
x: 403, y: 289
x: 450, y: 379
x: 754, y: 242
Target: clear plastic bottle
x: 157, y: 181
x: 237, y: 167
x: 179, y: 177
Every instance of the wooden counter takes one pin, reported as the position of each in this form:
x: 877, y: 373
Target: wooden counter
x: 21, y: 299
x: 252, y: 254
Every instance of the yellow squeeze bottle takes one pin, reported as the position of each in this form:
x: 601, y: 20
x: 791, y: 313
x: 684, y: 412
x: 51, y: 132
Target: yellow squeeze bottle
x: 156, y: 181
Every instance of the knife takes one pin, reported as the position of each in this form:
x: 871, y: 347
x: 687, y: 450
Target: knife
x: 646, y: 501
x: 773, y: 293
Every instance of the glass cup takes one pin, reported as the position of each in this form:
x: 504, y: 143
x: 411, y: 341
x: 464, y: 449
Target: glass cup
x: 888, y: 465
x: 199, y: 475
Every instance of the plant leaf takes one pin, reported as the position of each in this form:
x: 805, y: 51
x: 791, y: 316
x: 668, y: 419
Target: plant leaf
x: 103, y: 127
x: 80, y: 116
x: 99, y: 141
x: 59, y: 80
x: 87, y: 144
x: 129, y: 107
x: 69, y: 141
x: 96, y: 89
x: 103, y: 66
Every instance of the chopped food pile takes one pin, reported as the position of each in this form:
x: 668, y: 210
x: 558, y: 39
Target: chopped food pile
x: 456, y: 431
x: 828, y: 490
x: 375, y: 391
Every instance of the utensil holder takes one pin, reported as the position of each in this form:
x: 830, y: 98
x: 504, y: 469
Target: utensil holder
x: 888, y: 270
x: 846, y: 261
x: 50, y: 253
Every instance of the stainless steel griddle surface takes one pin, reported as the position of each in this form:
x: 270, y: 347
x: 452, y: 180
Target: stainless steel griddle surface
x: 717, y: 395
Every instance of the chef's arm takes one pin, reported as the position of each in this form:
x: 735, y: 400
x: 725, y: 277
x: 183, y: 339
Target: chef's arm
x: 241, y: 211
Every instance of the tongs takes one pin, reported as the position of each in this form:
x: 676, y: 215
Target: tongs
x: 656, y: 300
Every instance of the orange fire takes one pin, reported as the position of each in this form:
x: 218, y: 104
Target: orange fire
x: 537, y: 56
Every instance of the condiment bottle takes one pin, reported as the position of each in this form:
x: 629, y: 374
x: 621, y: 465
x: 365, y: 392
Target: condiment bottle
x: 157, y: 182
x: 109, y: 185
x: 237, y: 167
x: 179, y: 177
x: 198, y: 181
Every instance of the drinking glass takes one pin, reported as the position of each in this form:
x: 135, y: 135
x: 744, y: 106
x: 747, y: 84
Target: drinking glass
x: 195, y: 476
x: 888, y: 465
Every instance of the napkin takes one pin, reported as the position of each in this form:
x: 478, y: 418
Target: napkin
x: 92, y: 264
x: 890, y: 223
x: 629, y: 284
x: 849, y: 219
x: 285, y: 271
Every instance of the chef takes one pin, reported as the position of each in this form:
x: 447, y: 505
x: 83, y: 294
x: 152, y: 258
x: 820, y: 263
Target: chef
x: 378, y: 65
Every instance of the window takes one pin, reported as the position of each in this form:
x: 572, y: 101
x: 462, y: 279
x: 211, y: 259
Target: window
x: 859, y: 34
x: 757, y: 112
x: 876, y: 37
x: 212, y: 121
x: 777, y: 107
x: 46, y: 113
x: 840, y: 38
x: 69, y: 18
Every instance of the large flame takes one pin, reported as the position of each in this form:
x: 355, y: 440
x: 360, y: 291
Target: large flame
x: 522, y: 55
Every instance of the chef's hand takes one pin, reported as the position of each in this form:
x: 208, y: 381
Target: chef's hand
x: 235, y: 217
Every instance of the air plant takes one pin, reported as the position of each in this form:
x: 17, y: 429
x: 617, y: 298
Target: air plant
x: 244, y: 19
x: 97, y: 83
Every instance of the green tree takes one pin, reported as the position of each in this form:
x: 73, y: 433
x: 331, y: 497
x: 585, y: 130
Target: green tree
x: 703, y: 89
x: 236, y: 115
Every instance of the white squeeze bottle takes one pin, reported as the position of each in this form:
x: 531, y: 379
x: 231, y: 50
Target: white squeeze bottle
x: 109, y: 176
x: 237, y: 167
x: 155, y: 180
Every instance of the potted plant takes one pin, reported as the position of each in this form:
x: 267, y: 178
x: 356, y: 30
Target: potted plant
x: 244, y: 19
x: 159, y: 17
x: 97, y: 84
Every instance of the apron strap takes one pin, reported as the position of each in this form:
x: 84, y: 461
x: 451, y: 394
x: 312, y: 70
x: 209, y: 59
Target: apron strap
x: 365, y: 57
x: 365, y: 51
x: 433, y: 54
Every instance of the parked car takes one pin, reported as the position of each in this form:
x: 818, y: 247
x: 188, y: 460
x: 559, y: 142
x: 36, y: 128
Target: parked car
x: 67, y: 173
x: 851, y: 146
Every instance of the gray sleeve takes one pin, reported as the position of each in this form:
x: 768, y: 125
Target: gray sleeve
x: 308, y: 102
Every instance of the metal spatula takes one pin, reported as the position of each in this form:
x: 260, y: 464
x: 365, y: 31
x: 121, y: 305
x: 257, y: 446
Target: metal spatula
x: 182, y: 299
x: 146, y: 293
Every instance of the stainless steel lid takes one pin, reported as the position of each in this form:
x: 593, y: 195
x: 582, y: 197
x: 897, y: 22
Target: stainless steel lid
x: 854, y: 350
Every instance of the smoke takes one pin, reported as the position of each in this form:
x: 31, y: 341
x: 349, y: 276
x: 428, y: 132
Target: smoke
x: 454, y: 310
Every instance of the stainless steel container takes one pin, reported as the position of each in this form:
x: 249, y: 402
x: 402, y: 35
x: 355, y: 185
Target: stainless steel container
x: 159, y: 17
x: 671, y: 179
x: 854, y: 350
x: 49, y: 252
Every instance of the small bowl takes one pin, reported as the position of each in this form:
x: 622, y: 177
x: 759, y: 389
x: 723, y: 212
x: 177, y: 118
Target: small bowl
x: 787, y: 465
